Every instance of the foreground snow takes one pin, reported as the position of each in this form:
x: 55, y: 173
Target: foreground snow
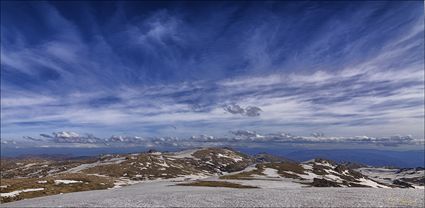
x: 164, y: 193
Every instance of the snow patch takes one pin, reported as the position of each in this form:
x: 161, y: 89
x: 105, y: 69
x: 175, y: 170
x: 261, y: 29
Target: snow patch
x: 371, y: 183
x: 308, y: 176
x: 57, y: 182
x: 124, y: 182
x: 270, y: 172
x: 333, y: 177
x: 16, y: 193
x: 236, y: 159
x: 79, y: 168
x: 29, y: 165
x: 185, y: 154
x: 307, y: 167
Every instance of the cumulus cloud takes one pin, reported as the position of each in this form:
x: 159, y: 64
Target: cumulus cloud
x: 71, y: 137
x: 245, y: 133
x: 46, y: 136
x: 239, y: 138
x: 66, y: 134
x: 234, y: 109
x: 317, y: 134
x: 32, y: 138
x: 251, y: 111
x: 321, y: 138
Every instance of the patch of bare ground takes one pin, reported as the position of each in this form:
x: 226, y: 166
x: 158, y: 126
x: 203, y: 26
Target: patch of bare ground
x: 285, y: 168
x: 246, y: 175
x: 216, y: 184
x: 83, y: 182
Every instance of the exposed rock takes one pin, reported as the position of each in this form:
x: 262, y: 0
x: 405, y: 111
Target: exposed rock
x: 402, y: 184
x: 318, y: 182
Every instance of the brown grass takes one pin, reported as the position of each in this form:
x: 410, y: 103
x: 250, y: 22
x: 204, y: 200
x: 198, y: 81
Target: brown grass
x: 247, y: 175
x: 89, y: 182
x: 132, y: 167
x: 286, y: 166
x: 216, y: 184
x: 281, y: 168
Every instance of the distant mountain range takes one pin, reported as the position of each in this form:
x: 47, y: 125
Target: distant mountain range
x: 373, y: 157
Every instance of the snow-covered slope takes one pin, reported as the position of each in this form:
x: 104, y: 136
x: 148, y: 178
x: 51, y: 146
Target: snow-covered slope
x: 317, y: 172
x: 166, y: 194
x: 406, y: 177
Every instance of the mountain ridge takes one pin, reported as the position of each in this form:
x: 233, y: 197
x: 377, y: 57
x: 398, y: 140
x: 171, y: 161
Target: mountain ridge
x: 213, y: 164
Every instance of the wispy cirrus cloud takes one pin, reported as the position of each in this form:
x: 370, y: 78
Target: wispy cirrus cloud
x: 295, y: 107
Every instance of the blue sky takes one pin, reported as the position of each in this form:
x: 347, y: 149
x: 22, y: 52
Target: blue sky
x: 182, y: 69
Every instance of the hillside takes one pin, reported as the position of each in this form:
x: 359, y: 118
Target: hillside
x: 30, y: 177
